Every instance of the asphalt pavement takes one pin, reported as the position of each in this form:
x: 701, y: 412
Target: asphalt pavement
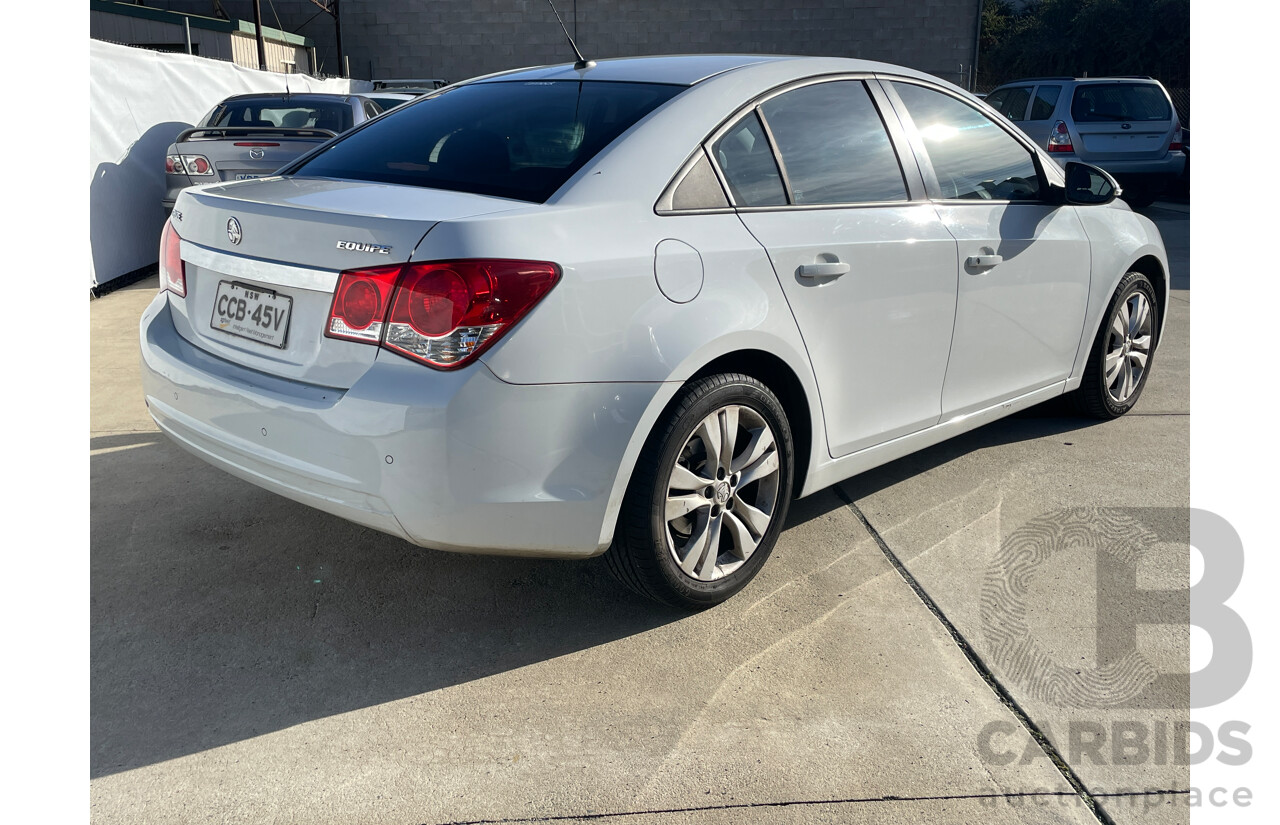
x: 967, y: 634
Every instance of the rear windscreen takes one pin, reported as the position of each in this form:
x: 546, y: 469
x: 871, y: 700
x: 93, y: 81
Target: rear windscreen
x: 518, y: 139
x: 1097, y: 103
x: 296, y: 113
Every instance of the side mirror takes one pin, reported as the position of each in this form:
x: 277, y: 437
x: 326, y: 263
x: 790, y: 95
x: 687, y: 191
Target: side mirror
x: 1090, y: 185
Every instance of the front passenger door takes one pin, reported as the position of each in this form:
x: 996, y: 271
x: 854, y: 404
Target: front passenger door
x: 1024, y: 263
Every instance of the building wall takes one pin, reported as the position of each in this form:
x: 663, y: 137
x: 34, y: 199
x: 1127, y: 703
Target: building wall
x: 457, y: 39
x: 245, y: 49
x: 117, y: 28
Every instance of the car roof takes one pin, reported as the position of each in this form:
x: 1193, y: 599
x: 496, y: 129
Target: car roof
x: 1111, y: 79
x: 282, y: 95
x: 690, y: 69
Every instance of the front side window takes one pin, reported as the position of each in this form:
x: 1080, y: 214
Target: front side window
x: 834, y: 146
x: 512, y: 139
x: 746, y: 160
x: 972, y: 157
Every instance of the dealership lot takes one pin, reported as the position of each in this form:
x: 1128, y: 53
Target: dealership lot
x: 254, y: 660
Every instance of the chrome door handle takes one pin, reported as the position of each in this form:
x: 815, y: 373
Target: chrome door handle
x: 983, y: 261
x: 823, y: 270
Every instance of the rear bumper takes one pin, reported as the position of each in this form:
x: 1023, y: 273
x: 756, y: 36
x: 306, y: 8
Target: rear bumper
x: 455, y: 461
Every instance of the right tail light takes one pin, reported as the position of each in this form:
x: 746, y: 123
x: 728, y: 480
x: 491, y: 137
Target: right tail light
x: 440, y: 313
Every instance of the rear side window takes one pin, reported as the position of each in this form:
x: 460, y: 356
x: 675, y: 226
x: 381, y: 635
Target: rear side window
x: 834, y: 146
x: 1012, y: 103
x: 1046, y: 100
x: 746, y: 160
x: 1104, y: 102
x: 519, y: 139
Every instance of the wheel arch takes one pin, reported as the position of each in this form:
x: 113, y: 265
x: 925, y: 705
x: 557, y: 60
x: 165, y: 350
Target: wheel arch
x: 799, y: 402
x: 782, y: 381
x: 1151, y: 266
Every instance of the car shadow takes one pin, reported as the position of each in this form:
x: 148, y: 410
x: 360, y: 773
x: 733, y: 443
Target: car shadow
x: 1055, y: 417
x: 125, y: 211
x: 221, y: 612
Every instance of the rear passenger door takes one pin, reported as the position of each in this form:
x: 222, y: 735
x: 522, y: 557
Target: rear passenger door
x: 867, y: 267
x: 1024, y: 262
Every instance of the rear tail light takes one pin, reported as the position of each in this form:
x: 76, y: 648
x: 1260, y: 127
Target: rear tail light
x: 1175, y: 145
x: 1060, y: 138
x: 173, y: 275
x: 442, y: 313
x: 196, y: 165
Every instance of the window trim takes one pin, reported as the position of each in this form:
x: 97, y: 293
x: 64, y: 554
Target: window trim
x: 916, y: 188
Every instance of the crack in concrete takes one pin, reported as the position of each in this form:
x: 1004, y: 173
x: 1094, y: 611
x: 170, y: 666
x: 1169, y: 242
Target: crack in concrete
x: 800, y: 803
x: 1002, y: 694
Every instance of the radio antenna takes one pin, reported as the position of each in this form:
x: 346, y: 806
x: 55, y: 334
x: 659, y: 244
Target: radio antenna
x: 582, y: 63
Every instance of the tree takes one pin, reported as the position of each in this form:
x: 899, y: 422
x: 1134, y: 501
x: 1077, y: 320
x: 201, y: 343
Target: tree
x: 1078, y: 37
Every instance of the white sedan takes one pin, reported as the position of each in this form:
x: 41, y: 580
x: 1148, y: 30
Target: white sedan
x: 637, y: 308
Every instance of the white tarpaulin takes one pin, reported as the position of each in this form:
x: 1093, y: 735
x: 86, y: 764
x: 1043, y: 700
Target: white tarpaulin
x: 139, y: 101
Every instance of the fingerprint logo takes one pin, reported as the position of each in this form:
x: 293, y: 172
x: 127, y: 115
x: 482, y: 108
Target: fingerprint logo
x: 1115, y: 535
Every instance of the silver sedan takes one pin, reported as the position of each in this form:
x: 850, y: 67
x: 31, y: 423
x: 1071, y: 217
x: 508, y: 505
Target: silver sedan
x: 637, y: 308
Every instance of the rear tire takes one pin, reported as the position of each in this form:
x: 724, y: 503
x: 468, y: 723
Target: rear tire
x: 709, y: 494
x: 1122, y: 352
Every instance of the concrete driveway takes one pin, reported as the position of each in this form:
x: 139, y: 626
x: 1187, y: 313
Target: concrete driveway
x: 902, y: 657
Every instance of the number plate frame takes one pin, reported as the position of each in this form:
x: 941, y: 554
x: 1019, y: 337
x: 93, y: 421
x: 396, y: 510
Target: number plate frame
x: 273, y: 334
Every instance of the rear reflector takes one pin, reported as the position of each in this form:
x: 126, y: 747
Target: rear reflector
x: 441, y: 313
x: 173, y: 276
x: 1060, y: 138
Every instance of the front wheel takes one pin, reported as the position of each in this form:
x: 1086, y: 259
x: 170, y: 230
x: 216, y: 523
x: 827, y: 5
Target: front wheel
x: 709, y: 494
x: 1120, y: 359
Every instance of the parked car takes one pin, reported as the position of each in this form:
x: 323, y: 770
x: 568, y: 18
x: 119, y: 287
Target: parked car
x: 390, y: 100
x: 636, y: 308
x: 252, y: 135
x: 410, y: 85
x: 1126, y: 125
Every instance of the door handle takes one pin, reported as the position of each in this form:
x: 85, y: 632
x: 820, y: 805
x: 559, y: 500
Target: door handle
x: 826, y: 269
x: 983, y: 261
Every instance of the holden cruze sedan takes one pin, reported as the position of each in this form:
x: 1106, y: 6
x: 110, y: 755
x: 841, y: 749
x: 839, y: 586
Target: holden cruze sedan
x: 638, y: 307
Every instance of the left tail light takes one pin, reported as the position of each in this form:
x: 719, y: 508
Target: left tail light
x: 193, y: 165
x: 441, y: 313
x: 1175, y: 145
x: 1059, y: 138
x: 173, y: 275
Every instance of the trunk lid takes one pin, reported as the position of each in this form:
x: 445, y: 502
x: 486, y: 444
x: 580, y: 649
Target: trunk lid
x: 242, y: 154
x: 1122, y: 121
x: 292, y: 237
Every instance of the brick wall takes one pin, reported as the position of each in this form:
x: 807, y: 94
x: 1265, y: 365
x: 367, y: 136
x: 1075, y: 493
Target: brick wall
x: 456, y: 39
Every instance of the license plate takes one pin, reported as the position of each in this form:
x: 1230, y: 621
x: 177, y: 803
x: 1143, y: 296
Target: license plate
x: 248, y: 176
x: 251, y: 312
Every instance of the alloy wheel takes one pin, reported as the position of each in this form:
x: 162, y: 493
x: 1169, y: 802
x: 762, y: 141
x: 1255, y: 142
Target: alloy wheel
x: 721, y: 493
x: 1128, y: 348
